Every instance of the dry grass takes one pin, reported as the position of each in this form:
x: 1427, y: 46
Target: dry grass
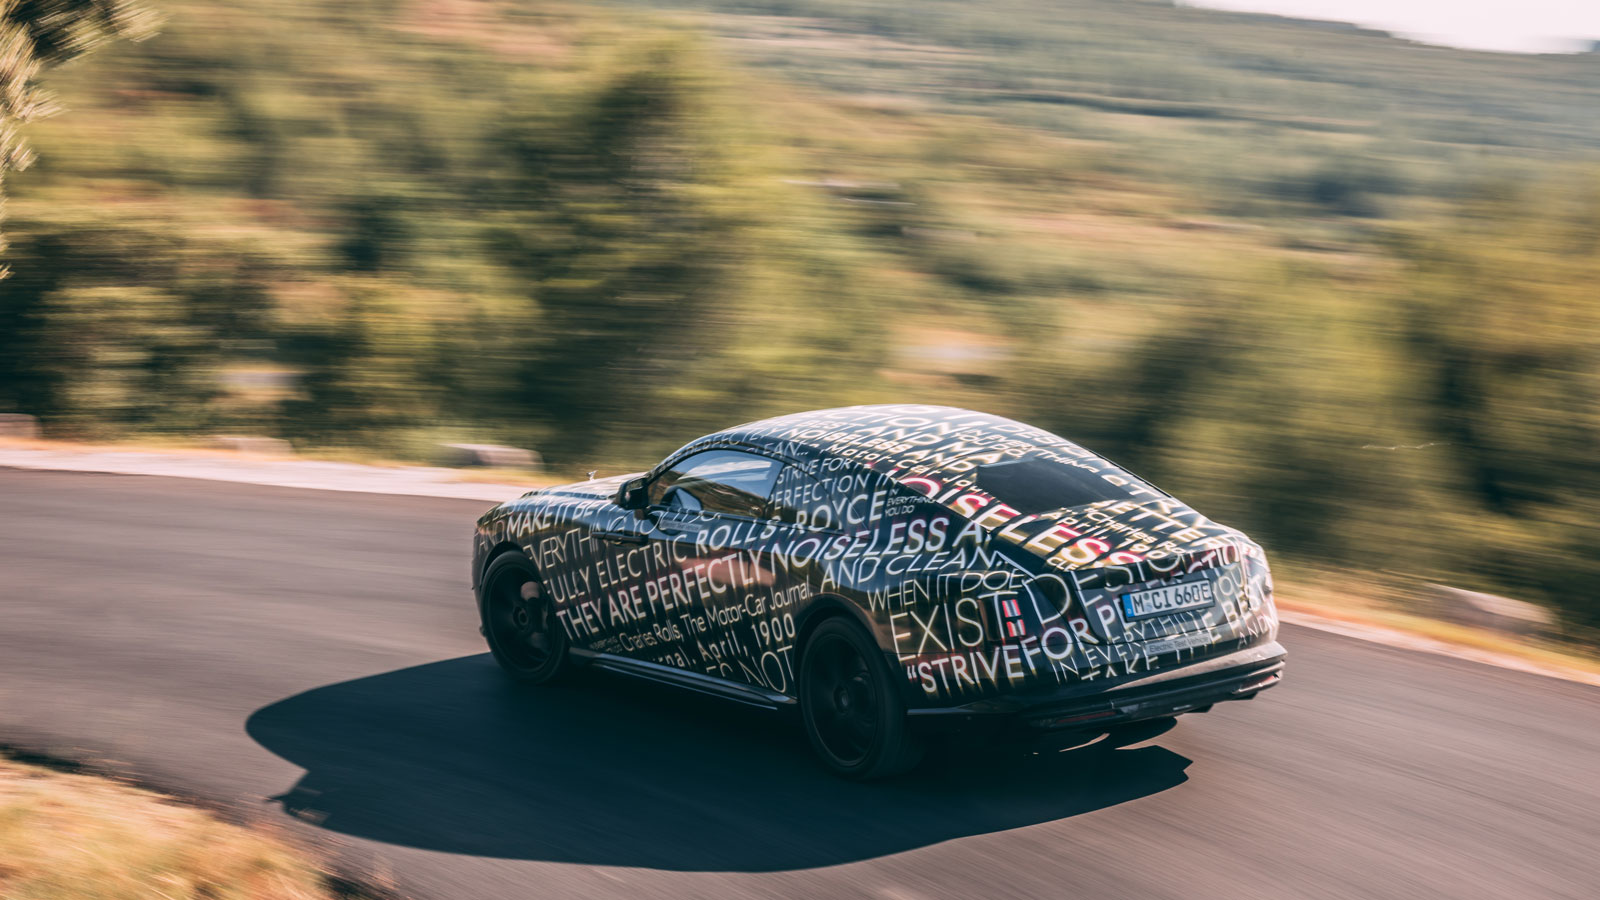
x: 65, y: 835
x: 1370, y: 601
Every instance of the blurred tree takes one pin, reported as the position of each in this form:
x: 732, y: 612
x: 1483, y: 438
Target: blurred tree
x: 1502, y: 340
x: 127, y: 358
x: 170, y: 302
x: 376, y: 235
x: 35, y: 34
x: 618, y: 220
x: 670, y: 277
x: 376, y: 358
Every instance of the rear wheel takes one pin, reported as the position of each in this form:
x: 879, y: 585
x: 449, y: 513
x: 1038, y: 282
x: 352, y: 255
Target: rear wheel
x: 518, y: 622
x: 854, y: 716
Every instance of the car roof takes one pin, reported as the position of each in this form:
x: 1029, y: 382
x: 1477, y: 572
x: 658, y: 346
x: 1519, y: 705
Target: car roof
x: 957, y: 457
x: 879, y: 435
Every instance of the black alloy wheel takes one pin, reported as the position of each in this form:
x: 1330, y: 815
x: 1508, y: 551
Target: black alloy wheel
x: 518, y: 621
x: 854, y: 717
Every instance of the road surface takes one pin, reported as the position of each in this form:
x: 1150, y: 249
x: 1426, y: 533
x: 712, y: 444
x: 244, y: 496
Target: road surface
x: 311, y: 658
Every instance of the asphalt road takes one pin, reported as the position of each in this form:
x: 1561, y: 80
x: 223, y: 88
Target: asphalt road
x: 283, y: 652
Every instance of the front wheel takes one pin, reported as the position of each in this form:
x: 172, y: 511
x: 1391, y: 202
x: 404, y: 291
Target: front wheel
x: 854, y: 717
x: 519, y: 624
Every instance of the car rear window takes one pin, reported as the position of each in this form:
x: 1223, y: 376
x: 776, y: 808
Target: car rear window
x: 1032, y: 485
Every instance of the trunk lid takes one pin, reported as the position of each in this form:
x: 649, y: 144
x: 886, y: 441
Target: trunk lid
x: 1176, y: 596
x: 1151, y: 571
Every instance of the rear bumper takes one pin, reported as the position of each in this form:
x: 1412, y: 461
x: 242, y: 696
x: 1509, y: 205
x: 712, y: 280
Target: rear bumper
x: 1240, y: 675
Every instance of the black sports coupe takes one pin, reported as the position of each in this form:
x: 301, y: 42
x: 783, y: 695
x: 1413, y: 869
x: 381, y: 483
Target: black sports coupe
x: 896, y: 572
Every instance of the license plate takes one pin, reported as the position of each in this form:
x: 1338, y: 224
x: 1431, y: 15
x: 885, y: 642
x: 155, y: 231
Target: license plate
x: 1163, y: 601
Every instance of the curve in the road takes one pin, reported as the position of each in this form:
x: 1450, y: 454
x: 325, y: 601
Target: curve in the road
x: 238, y: 643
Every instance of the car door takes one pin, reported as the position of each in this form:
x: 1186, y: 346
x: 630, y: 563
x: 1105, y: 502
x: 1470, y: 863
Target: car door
x: 710, y: 523
x: 625, y: 611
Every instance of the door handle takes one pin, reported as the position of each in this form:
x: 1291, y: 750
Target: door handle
x: 621, y: 537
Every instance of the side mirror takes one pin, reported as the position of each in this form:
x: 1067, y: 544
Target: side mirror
x: 634, y: 494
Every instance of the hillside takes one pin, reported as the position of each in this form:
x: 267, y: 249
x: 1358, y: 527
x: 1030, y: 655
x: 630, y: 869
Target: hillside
x: 1333, y: 287
x: 1155, y: 75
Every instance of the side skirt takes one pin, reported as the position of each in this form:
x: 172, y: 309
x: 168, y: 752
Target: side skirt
x: 748, y: 694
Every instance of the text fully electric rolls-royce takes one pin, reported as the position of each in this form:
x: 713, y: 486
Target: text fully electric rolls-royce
x: 895, y: 572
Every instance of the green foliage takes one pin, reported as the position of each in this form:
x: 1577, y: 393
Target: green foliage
x: 373, y: 360
x: 1503, y: 345
x: 124, y: 357
x: 120, y: 323
x: 617, y: 216
x: 60, y: 30
x: 1207, y: 72
x: 36, y: 34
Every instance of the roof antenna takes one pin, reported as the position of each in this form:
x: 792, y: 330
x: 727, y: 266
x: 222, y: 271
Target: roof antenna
x: 591, y: 473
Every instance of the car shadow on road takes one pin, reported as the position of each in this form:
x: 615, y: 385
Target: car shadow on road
x: 602, y: 770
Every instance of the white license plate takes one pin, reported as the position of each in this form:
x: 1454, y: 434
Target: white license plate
x: 1163, y: 601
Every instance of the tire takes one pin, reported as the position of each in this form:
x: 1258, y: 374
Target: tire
x: 518, y: 622
x: 854, y: 715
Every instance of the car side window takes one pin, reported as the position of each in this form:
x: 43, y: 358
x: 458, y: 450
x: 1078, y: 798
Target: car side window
x: 678, y: 498
x: 799, y: 499
x: 718, y: 481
